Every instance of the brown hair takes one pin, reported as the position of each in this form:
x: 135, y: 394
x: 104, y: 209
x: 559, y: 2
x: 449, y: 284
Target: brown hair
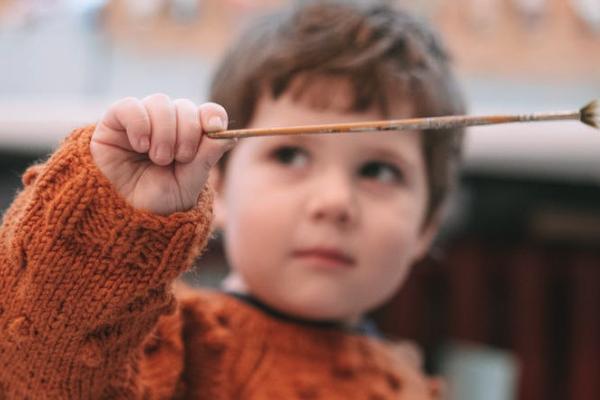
x: 388, y: 57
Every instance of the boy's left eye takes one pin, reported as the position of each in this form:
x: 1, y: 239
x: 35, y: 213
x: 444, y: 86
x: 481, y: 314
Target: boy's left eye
x: 292, y: 156
x: 381, y: 171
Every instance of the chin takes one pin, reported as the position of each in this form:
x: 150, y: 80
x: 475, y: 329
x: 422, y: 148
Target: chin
x: 316, y: 310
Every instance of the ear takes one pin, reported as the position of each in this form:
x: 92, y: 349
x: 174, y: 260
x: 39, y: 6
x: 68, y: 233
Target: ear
x: 216, y: 181
x: 428, y: 234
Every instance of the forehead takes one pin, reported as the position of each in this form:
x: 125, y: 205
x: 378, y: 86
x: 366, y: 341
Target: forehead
x: 287, y: 111
x: 340, y: 93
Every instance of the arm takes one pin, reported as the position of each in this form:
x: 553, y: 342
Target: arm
x: 84, y: 276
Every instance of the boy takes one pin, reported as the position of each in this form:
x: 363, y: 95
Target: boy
x: 318, y: 229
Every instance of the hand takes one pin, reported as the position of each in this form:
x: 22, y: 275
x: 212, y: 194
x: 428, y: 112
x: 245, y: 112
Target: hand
x: 154, y: 150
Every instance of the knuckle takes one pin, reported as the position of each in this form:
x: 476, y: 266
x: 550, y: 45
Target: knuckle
x: 214, y: 107
x: 126, y: 103
x: 195, y: 127
x: 188, y: 120
x: 129, y: 100
x: 184, y: 102
x: 158, y: 98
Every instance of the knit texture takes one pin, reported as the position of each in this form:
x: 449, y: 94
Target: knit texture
x: 89, y: 309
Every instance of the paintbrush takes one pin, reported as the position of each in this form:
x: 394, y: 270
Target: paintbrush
x: 589, y: 115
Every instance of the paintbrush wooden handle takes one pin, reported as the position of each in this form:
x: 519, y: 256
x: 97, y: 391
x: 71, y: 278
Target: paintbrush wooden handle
x: 446, y: 122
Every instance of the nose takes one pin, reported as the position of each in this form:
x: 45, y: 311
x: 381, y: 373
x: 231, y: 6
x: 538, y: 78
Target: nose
x: 333, y: 199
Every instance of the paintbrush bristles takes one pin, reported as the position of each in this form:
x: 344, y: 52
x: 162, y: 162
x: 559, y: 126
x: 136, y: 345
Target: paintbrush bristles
x: 590, y: 114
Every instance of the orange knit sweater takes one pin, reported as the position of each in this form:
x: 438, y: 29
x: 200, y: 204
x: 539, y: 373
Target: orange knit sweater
x: 88, y: 311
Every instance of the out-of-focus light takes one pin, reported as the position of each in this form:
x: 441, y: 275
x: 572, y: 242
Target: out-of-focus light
x: 85, y: 5
x: 254, y: 4
x: 184, y: 10
x: 531, y: 8
x: 142, y: 9
x: 483, y: 14
x: 26, y: 13
x: 589, y: 11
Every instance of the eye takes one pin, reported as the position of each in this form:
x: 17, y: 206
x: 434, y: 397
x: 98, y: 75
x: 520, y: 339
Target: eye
x: 381, y: 171
x: 291, y: 155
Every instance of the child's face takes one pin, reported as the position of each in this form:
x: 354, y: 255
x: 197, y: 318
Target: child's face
x: 323, y: 226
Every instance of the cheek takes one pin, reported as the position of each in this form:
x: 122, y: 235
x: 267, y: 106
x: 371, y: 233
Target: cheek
x: 259, y: 224
x: 393, y: 240
x: 260, y: 209
x: 392, y: 229
x: 389, y: 249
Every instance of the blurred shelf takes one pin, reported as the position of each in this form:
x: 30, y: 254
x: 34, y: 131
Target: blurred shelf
x: 37, y: 124
x: 557, y: 150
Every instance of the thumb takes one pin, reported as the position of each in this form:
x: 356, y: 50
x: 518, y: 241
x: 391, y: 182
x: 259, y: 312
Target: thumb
x: 212, y: 118
x: 196, y: 173
x: 209, y: 153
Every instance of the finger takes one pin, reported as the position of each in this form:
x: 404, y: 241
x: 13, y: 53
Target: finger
x: 189, y: 130
x: 210, y: 150
x: 130, y: 116
x: 214, y: 117
x: 209, y: 153
x: 164, y: 127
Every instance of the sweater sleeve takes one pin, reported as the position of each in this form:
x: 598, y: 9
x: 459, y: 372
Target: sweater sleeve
x: 84, y: 278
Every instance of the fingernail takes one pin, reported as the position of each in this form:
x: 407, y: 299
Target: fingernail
x: 144, y: 144
x: 215, y: 123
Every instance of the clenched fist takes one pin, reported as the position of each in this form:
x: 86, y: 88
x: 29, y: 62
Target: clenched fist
x: 155, y: 150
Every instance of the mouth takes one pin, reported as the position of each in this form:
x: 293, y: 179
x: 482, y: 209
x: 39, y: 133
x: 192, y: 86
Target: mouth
x: 328, y: 257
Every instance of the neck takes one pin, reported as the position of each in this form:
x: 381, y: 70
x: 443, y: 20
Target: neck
x: 356, y: 325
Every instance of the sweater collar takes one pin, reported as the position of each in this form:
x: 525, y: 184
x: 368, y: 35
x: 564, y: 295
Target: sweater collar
x: 365, y: 327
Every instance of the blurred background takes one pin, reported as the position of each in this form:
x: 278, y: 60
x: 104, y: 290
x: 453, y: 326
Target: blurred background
x: 508, y: 304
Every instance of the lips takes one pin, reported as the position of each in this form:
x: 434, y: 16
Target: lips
x: 328, y: 256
